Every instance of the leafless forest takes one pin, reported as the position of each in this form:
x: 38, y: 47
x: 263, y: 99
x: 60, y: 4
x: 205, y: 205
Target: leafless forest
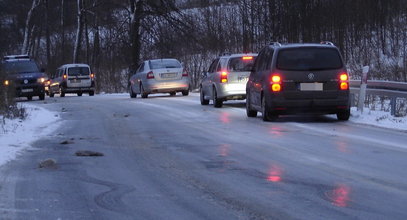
x: 114, y: 36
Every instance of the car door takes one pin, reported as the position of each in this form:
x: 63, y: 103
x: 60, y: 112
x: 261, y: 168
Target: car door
x: 138, y: 77
x: 261, y: 81
x: 208, y: 79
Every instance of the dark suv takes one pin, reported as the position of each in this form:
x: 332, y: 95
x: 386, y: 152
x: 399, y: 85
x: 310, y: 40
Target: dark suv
x: 23, y: 74
x: 298, y: 78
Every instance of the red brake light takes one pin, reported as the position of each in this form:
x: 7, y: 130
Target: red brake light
x: 343, y: 81
x: 150, y: 75
x: 185, y: 74
x: 275, y: 83
x: 247, y: 58
x: 224, y: 77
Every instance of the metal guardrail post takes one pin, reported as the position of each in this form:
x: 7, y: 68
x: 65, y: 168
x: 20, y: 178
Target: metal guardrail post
x: 363, y: 86
x: 393, y: 102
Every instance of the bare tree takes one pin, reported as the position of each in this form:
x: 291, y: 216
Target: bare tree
x: 27, y: 29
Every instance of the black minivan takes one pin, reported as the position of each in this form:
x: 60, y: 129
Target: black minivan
x: 298, y: 78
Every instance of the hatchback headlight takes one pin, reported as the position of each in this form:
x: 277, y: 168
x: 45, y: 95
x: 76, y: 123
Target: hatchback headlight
x: 6, y: 82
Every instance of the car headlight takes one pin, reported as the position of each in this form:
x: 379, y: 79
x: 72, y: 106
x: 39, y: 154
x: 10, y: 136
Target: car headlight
x: 41, y: 80
x: 6, y: 82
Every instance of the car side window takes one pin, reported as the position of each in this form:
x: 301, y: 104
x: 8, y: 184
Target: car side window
x: 213, y: 66
x: 222, y: 64
x: 258, y: 61
x: 270, y: 59
x: 140, y: 68
x: 264, y: 60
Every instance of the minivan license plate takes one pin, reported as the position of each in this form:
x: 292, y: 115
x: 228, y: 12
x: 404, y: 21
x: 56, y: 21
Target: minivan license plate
x: 311, y: 86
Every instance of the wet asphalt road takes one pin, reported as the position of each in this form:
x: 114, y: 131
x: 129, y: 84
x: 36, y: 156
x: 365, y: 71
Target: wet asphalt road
x: 171, y: 158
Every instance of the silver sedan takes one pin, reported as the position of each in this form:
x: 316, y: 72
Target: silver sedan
x: 159, y: 76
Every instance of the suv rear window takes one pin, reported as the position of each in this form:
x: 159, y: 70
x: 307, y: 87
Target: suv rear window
x: 20, y: 67
x: 241, y: 65
x: 161, y: 64
x: 78, y: 71
x: 302, y: 59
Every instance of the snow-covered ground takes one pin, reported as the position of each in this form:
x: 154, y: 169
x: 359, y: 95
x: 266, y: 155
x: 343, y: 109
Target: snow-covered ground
x: 17, y: 135
x: 378, y: 118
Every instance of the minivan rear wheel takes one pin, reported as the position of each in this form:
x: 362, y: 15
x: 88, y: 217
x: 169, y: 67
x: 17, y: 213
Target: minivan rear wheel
x: 61, y: 92
x: 79, y: 94
x: 266, y: 114
x: 249, y: 111
x: 42, y: 96
x: 343, y: 115
x: 217, y: 103
x: 202, y: 98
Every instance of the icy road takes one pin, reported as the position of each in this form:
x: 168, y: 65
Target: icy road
x: 171, y: 158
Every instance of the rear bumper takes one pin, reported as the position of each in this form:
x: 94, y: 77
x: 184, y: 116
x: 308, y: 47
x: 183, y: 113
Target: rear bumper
x: 167, y: 86
x: 228, y: 91
x: 79, y: 89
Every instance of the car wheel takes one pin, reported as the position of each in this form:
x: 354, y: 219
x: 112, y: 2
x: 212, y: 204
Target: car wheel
x: 61, y: 92
x: 144, y: 95
x: 132, y: 94
x: 343, y: 115
x: 79, y: 94
x: 51, y: 94
x: 172, y: 93
x: 29, y: 98
x: 249, y: 111
x: 185, y: 93
x: 91, y: 93
x: 217, y: 103
x: 42, y: 96
x: 266, y: 114
x: 202, y: 98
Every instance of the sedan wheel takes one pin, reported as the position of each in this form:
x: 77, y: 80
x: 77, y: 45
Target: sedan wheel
x: 144, y: 95
x: 202, y: 98
x: 217, y: 103
x: 132, y: 94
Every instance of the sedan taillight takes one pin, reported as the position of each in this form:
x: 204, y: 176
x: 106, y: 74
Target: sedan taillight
x: 150, y: 75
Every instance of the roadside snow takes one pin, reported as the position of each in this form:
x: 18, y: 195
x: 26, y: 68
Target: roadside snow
x: 17, y: 135
x: 378, y: 118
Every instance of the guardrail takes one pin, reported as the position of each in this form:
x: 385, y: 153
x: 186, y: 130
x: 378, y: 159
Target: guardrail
x: 390, y: 89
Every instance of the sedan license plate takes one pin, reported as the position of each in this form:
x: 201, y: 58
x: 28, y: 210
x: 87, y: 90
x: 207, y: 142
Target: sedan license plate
x: 168, y: 75
x: 311, y: 86
x: 27, y: 90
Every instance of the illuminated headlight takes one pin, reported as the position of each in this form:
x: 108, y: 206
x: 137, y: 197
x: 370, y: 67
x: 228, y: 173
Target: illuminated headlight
x: 6, y: 82
x: 41, y: 80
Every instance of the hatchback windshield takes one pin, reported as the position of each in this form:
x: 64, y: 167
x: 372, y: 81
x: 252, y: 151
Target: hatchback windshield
x: 162, y: 64
x: 78, y: 71
x: 241, y: 64
x: 300, y: 59
x: 20, y: 67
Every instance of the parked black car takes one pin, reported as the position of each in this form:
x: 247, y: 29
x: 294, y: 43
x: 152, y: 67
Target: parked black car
x: 298, y: 78
x: 23, y: 74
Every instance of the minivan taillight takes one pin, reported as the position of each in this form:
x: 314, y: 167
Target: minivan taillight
x: 275, y: 83
x: 150, y: 75
x: 224, y: 77
x: 92, y: 76
x: 65, y: 77
x: 343, y: 81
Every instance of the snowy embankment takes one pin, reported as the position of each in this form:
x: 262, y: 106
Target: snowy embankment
x: 378, y: 118
x: 17, y: 135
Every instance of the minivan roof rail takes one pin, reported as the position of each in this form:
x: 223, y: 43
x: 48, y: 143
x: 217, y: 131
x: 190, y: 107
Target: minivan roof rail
x: 276, y: 44
x: 327, y: 42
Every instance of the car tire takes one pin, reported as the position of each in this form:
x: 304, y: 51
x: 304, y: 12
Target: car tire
x: 61, y: 92
x: 202, y: 98
x: 249, y: 111
x: 144, y: 95
x: 173, y: 93
x: 132, y: 94
x: 266, y: 114
x: 51, y: 94
x: 79, y: 94
x: 217, y: 103
x: 185, y: 93
x: 42, y: 96
x: 91, y: 93
x: 343, y: 115
x: 29, y: 98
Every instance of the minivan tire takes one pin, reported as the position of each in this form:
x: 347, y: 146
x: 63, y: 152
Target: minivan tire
x: 79, y: 94
x: 202, y: 98
x: 343, y: 115
x: 61, y: 92
x: 217, y: 103
x: 249, y: 111
x: 42, y: 96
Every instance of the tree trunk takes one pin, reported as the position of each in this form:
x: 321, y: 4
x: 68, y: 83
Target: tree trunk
x: 27, y: 29
x: 135, y: 35
x: 48, y: 40
x: 62, y: 31
x: 78, y: 39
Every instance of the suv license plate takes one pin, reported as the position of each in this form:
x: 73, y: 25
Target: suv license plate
x: 311, y: 86
x: 27, y: 90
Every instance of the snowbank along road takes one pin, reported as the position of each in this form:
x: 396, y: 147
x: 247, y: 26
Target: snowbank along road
x: 171, y: 158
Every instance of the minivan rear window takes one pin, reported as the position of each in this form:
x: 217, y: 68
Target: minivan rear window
x: 239, y: 64
x: 162, y: 64
x: 308, y: 58
x: 78, y: 71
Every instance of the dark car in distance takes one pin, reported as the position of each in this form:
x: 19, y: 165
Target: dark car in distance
x: 24, y: 75
x: 298, y: 78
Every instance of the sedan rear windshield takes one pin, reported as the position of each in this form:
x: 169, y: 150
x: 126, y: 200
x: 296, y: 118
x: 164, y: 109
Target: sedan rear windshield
x: 20, y: 67
x: 300, y: 59
x: 239, y: 64
x: 163, y: 64
x: 78, y: 71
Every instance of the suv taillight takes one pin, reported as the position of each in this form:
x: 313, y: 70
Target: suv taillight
x: 343, y: 81
x: 224, y: 77
x: 275, y: 83
x: 150, y: 75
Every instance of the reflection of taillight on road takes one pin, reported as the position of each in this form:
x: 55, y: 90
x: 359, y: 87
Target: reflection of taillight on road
x: 344, y: 81
x: 150, y: 75
x: 275, y: 83
x: 224, y: 77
